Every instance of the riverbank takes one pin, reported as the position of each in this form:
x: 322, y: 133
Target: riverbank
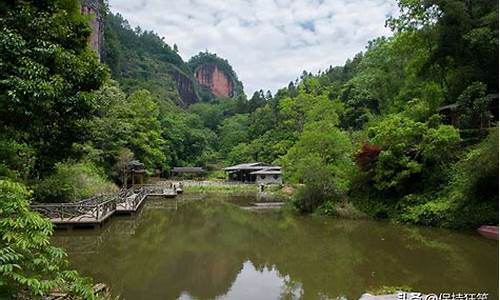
x: 305, y: 255
x: 220, y: 188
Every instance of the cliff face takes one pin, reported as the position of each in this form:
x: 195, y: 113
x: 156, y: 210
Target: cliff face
x: 219, y: 83
x: 185, y: 87
x: 94, y: 8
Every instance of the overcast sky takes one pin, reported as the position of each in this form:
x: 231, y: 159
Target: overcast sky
x: 268, y: 42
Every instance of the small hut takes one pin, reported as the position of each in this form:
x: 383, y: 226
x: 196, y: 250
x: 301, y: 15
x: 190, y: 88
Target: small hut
x: 135, y: 172
x: 450, y: 114
x: 269, y: 175
x: 188, y: 171
x: 255, y: 172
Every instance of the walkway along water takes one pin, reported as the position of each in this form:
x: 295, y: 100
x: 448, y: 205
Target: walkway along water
x: 92, y: 212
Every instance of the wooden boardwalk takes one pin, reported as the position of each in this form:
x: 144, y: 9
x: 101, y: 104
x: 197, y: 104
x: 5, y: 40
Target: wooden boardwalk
x: 97, y: 210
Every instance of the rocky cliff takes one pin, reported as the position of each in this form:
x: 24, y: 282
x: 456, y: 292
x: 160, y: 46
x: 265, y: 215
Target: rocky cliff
x: 215, y: 75
x: 219, y: 83
x: 95, y: 9
x: 185, y: 87
x: 142, y: 59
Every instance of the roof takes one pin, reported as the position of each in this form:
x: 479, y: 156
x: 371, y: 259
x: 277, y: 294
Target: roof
x: 272, y: 170
x: 248, y: 166
x: 188, y: 170
x: 135, y: 164
x: 452, y: 107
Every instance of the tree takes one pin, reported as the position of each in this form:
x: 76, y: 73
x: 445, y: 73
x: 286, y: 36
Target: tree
x: 462, y: 38
x: 258, y: 100
x: 321, y: 159
x: 474, y: 107
x: 210, y: 113
x: 234, y: 130
x: 411, y: 151
x: 190, y: 143
x: 47, y: 74
x: 146, y: 140
x: 126, y: 122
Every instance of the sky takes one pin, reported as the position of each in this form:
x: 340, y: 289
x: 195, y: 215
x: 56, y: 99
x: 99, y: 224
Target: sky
x: 268, y: 42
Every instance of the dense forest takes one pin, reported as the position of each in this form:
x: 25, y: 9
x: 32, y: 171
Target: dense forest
x: 370, y: 136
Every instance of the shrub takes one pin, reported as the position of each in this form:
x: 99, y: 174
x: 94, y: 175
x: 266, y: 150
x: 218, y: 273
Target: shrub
x: 474, y: 185
x: 29, y: 265
x: 367, y: 156
x: 73, y: 182
x: 433, y: 213
x: 412, y: 152
x: 16, y: 159
x: 216, y: 175
x: 470, y: 199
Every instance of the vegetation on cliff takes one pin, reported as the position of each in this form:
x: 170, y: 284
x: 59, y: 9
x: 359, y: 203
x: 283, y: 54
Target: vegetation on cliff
x: 141, y: 59
x: 206, y: 58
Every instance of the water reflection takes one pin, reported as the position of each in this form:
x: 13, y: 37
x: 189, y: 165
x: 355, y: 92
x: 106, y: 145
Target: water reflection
x: 267, y: 284
x: 204, y: 248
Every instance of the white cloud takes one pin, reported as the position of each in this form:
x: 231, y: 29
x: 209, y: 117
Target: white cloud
x: 267, y: 42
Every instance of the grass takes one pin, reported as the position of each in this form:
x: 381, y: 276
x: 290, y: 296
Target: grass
x: 221, y: 188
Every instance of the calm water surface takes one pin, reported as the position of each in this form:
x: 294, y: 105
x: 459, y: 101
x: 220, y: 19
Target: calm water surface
x: 205, y: 247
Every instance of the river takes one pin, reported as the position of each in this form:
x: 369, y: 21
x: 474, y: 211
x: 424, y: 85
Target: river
x: 203, y: 246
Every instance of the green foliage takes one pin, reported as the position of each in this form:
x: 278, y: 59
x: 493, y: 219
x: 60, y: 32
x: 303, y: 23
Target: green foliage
x: 462, y: 38
x: 210, y: 114
x: 16, y: 159
x: 468, y: 199
x: 29, y: 265
x: 240, y: 153
x: 146, y: 140
x: 474, y: 185
x: 190, y: 142
x: 234, y: 130
x: 221, y: 189
x: 217, y: 175
x: 321, y: 160
x: 410, y: 150
x: 474, y: 106
x: 131, y: 122
x: 72, y: 182
x: 110, y: 128
x: 47, y: 74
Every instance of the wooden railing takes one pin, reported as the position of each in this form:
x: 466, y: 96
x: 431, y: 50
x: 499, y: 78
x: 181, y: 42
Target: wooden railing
x: 95, y: 208
x: 213, y: 183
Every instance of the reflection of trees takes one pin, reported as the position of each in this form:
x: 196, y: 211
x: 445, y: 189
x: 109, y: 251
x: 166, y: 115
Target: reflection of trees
x: 200, y: 249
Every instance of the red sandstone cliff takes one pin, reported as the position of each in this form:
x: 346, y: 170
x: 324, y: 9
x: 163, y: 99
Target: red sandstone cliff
x: 94, y: 8
x: 216, y: 80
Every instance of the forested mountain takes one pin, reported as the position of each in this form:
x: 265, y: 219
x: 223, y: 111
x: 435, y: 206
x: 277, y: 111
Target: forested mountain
x: 141, y: 59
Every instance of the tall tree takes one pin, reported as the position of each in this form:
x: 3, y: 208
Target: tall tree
x: 47, y: 76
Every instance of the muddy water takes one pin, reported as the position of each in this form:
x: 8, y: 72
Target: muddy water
x: 205, y: 247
